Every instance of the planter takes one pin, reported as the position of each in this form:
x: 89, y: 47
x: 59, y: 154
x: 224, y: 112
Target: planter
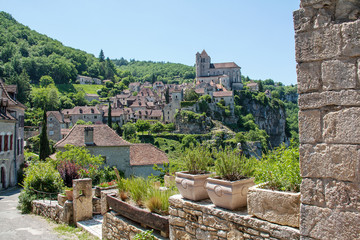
x: 61, y: 199
x: 99, y: 189
x: 192, y: 186
x: 139, y: 215
x: 229, y: 194
x: 169, y: 180
x: 274, y: 206
x: 69, y: 194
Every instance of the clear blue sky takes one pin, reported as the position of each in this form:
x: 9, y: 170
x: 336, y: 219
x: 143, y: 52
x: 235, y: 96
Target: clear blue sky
x: 256, y: 34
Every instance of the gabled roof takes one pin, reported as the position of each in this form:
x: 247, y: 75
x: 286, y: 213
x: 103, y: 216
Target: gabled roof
x: 104, y: 136
x: 146, y: 154
x: 204, y: 54
x: 223, y: 94
x: 224, y: 65
x: 82, y: 110
x: 56, y: 114
x: 11, y: 88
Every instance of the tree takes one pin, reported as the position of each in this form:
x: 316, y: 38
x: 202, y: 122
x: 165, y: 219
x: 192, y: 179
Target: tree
x: 101, y: 56
x: 167, y: 96
x: 142, y: 126
x: 157, y: 127
x: 46, y: 81
x: 261, y: 86
x: 44, y: 141
x: 129, y: 130
x: 109, y: 120
x: 191, y: 95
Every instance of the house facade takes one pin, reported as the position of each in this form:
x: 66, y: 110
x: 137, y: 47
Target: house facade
x: 132, y: 159
x: 11, y: 137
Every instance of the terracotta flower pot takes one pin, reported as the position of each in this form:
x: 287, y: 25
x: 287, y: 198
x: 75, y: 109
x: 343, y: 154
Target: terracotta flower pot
x: 62, y: 199
x: 229, y: 194
x: 274, y: 206
x: 69, y: 194
x: 192, y: 186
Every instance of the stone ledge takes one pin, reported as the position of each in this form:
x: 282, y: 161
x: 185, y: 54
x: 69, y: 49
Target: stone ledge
x: 203, y: 219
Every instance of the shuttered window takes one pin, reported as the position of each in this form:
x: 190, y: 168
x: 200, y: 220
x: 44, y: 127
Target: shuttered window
x: 6, y: 143
x: 11, y: 142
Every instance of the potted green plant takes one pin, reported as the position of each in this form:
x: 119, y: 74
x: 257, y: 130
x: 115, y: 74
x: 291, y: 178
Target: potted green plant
x: 229, y: 188
x: 69, y: 193
x: 277, y: 197
x: 191, y: 183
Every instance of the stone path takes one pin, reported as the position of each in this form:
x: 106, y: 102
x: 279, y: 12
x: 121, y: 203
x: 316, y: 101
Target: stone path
x: 16, y: 226
x: 93, y: 226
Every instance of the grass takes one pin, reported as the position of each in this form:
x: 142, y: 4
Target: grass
x: 91, y: 89
x: 71, y: 232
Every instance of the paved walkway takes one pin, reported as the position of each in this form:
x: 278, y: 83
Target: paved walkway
x: 93, y: 226
x: 14, y: 225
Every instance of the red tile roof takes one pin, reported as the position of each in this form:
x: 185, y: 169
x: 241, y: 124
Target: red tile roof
x: 104, y: 136
x: 225, y: 65
x: 146, y: 154
x: 204, y: 53
x: 85, y: 110
x: 223, y: 94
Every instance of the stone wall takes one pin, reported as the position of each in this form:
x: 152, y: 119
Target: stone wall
x: 52, y: 210
x: 118, y: 227
x: 327, y: 36
x: 202, y: 220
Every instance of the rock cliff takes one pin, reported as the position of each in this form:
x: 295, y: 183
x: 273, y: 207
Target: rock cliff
x: 272, y: 119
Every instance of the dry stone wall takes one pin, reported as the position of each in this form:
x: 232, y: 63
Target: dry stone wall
x: 202, y: 220
x: 52, y: 210
x: 327, y: 37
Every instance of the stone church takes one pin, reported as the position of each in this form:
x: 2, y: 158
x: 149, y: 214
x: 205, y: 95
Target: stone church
x: 227, y: 74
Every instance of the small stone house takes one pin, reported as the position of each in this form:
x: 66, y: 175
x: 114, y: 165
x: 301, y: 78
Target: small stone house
x: 132, y: 159
x: 86, y: 113
x: 227, y: 96
x: 55, y: 123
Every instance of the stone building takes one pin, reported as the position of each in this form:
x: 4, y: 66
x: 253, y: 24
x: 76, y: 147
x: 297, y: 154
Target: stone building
x: 226, y: 96
x: 228, y: 74
x: 86, y: 113
x: 55, y: 123
x: 327, y: 43
x: 11, y: 136
x: 132, y: 159
x: 88, y: 80
x: 170, y: 109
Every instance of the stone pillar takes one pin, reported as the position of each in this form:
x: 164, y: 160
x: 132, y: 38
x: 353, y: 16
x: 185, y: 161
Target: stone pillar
x: 327, y: 37
x: 82, y: 199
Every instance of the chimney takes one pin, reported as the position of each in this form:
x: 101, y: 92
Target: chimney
x: 89, y: 135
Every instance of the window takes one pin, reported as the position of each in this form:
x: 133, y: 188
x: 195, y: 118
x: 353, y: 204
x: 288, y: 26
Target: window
x: 95, y: 117
x: 1, y: 147
x: 6, y: 143
x: 92, y: 110
x: 51, y: 125
x: 51, y: 133
x: 50, y: 119
x: 81, y: 111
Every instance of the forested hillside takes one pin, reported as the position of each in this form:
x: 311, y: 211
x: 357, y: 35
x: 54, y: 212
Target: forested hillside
x: 157, y: 71
x: 26, y: 56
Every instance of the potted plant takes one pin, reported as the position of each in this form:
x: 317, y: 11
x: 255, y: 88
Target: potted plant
x: 69, y: 193
x: 104, y: 186
x: 229, y: 188
x: 277, y: 197
x: 191, y: 183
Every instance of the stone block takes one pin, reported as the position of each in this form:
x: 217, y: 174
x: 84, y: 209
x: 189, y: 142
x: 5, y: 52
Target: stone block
x: 351, y: 38
x: 83, y: 207
x: 330, y: 161
x: 309, y: 75
x: 317, y: 3
x: 176, y: 221
x: 302, y: 19
x: 274, y: 206
x: 324, y: 223
x: 309, y: 126
x: 337, y: 75
x: 342, y: 195
x: 329, y: 98
x: 342, y: 126
x: 318, y: 44
x: 313, y: 192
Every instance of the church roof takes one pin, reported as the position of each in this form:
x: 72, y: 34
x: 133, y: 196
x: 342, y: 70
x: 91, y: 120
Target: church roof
x: 204, y: 53
x: 224, y: 65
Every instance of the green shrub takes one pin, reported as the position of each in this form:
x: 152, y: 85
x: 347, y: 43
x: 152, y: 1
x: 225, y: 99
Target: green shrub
x: 184, y: 104
x: 196, y: 159
x: 280, y: 169
x: 231, y: 165
x: 40, y: 176
x: 144, y: 235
